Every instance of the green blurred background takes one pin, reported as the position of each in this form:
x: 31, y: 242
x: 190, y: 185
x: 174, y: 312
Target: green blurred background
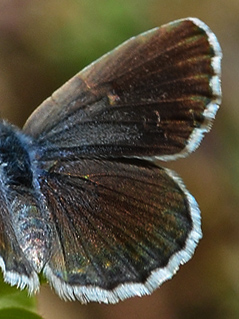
x: 44, y: 43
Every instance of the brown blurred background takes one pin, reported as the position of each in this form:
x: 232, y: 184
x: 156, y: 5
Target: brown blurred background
x: 44, y: 43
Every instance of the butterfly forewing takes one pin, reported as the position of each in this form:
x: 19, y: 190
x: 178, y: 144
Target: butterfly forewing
x: 152, y: 96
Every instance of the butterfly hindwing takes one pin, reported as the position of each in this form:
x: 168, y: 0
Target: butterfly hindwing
x: 113, y: 217
x: 16, y: 267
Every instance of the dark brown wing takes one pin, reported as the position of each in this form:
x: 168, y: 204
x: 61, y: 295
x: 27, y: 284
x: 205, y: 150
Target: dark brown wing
x: 121, y: 228
x: 155, y: 95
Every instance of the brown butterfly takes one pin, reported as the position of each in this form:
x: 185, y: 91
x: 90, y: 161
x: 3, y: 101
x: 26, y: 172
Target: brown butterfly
x: 81, y: 198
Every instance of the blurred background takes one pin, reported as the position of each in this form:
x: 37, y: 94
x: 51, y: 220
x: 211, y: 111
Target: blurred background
x: 44, y: 43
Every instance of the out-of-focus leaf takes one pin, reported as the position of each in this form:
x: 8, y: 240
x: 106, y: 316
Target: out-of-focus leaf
x: 17, y: 313
x: 16, y: 303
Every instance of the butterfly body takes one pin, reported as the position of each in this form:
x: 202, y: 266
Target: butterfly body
x: 81, y: 197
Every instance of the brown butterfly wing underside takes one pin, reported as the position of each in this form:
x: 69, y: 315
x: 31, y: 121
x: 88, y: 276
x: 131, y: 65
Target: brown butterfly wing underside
x: 115, y: 224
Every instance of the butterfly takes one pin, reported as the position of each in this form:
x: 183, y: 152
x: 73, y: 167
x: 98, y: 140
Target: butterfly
x: 82, y: 199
